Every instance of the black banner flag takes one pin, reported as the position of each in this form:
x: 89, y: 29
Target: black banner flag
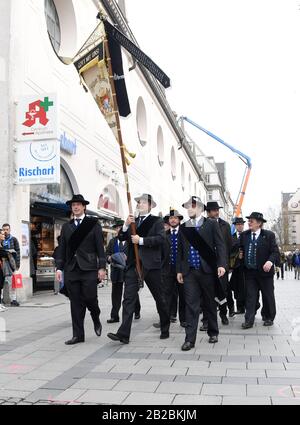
x: 136, y: 52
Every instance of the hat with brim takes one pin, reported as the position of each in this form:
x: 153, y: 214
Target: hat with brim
x: 146, y: 197
x: 173, y: 213
x: 257, y: 216
x: 238, y: 220
x: 213, y: 205
x: 77, y: 198
x: 118, y: 223
x: 193, y: 201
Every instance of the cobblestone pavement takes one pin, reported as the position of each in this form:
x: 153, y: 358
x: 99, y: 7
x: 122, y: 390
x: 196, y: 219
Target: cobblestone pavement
x: 255, y: 366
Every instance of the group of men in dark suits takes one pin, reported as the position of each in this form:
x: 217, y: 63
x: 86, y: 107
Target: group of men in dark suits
x: 192, y: 259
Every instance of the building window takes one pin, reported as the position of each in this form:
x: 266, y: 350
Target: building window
x: 160, y: 146
x: 53, y: 25
x: 182, y: 176
x: 141, y: 121
x: 207, y: 178
x: 173, y: 164
x: 209, y: 196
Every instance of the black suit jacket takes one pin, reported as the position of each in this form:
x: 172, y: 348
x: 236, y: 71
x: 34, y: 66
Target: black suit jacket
x: 211, y: 234
x: 167, y: 268
x: 90, y: 254
x: 153, y: 232
x: 116, y: 274
x: 235, y: 261
x: 226, y: 232
x: 267, y: 249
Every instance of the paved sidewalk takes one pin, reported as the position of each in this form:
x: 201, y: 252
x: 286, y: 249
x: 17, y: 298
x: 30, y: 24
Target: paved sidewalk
x: 256, y: 366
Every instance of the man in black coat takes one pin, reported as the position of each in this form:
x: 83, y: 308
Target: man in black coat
x: 81, y: 257
x: 213, y: 212
x: 150, y: 238
x: 201, y: 261
x: 114, y: 249
x: 171, y: 287
x: 260, y: 254
x: 237, y: 280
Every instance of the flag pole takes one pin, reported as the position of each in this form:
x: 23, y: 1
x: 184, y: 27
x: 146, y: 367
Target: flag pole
x: 122, y: 152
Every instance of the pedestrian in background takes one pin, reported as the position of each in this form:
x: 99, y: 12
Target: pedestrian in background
x: 296, y: 263
x: 3, y: 256
x: 11, y: 244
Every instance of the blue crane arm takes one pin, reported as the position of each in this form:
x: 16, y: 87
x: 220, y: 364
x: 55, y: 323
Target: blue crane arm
x: 247, y: 158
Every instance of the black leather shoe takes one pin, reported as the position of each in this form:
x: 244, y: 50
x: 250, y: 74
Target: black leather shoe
x: 173, y: 319
x: 224, y: 320
x: 240, y: 311
x: 116, y: 337
x: 74, y: 340
x: 268, y: 323
x: 247, y: 325
x: 204, y: 327
x: 164, y: 335
x: 231, y: 313
x: 137, y: 316
x: 156, y: 325
x: 186, y: 346
x: 112, y: 320
x: 183, y: 324
x: 98, y: 328
x: 213, y: 339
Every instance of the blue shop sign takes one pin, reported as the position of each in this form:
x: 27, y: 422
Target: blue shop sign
x: 68, y: 145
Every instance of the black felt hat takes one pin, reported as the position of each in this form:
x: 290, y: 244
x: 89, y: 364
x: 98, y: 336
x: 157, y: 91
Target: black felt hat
x: 118, y: 223
x: 238, y: 220
x: 173, y: 213
x: 257, y: 216
x: 212, y: 205
x: 77, y: 198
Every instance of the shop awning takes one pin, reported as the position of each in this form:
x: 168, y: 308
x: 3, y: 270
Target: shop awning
x: 57, y: 210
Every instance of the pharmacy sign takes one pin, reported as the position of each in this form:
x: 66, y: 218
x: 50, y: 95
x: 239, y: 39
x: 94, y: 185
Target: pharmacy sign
x: 37, y: 117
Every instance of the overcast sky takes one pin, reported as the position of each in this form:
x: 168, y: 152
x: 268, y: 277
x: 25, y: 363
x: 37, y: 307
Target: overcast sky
x: 235, y: 69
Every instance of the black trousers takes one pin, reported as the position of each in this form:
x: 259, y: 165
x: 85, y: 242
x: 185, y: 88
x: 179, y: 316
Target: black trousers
x: 255, y: 283
x: 82, y: 289
x: 230, y: 303
x: 154, y: 283
x: 174, y: 303
x: 237, y: 284
x: 116, y: 300
x: 196, y: 285
x: 172, y: 289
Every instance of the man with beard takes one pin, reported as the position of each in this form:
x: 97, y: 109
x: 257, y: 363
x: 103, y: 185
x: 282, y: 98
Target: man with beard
x: 201, y: 261
x: 150, y: 238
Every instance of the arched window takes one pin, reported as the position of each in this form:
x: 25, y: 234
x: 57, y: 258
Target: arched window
x: 141, y: 121
x: 182, y: 176
x: 173, y: 164
x: 109, y: 199
x: 160, y: 146
x: 53, y: 25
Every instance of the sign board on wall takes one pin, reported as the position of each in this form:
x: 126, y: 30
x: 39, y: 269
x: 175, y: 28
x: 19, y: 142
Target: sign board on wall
x: 37, y: 117
x: 38, y: 162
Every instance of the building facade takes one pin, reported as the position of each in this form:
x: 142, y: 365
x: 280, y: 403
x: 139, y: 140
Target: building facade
x: 34, y: 60
x: 290, y: 218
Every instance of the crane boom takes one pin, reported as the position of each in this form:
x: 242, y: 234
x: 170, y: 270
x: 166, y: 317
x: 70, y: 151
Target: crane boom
x: 246, y: 159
